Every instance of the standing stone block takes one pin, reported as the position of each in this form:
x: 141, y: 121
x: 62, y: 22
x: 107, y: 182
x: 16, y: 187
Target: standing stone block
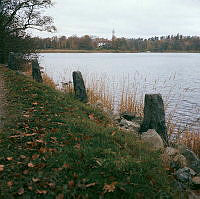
x: 12, y: 61
x: 36, y: 73
x: 154, y: 116
x: 79, y: 87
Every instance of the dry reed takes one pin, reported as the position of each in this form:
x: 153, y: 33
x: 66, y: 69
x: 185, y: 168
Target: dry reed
x: 131, y: 100
x: 48, y: 81
x: 191, y: 139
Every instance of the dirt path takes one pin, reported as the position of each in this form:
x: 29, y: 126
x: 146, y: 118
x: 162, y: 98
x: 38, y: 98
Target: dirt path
x: 2, y: 98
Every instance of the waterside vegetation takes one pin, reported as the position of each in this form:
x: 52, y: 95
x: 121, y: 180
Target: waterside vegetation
x: 131, y: 99
x: 54, y: 146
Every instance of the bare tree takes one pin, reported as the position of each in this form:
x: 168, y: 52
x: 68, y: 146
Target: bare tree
x: 16, y: 16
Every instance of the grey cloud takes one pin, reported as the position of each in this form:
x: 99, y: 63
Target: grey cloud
x: 130, y: 18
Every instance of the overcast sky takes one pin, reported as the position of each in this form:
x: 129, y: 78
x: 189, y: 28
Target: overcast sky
x: 129, y: 18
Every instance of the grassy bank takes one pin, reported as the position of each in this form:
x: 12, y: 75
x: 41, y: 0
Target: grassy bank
x: 53, y: 146
x: 129, y: 96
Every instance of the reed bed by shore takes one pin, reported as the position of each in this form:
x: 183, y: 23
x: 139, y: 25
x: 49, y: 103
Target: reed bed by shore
x: 131, y: 100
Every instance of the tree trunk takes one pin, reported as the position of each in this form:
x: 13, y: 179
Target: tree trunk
x: 154, y: 116
x: 79, y: 87
x: 36, y: 74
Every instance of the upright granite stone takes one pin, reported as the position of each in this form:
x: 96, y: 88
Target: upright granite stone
x: 36, y: 73
x: 154, y: 116
x: 12, y: 61
x: 79, y: 87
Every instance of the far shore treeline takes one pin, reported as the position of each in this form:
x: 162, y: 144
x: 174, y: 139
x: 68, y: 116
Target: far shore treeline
x: 170, y: 43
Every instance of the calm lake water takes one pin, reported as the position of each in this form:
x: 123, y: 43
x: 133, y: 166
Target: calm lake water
x: 172, y: 74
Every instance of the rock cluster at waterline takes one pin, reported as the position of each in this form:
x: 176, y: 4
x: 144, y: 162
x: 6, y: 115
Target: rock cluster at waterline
x: 184, y: 165
x: 181, y: 162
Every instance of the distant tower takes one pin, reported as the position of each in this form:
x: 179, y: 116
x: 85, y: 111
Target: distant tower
x: 113, y: 35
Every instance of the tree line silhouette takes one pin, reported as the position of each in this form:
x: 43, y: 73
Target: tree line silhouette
x: 155, y: 44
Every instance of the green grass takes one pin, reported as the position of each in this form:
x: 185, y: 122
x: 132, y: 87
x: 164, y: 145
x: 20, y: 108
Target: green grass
x: 51, y: 148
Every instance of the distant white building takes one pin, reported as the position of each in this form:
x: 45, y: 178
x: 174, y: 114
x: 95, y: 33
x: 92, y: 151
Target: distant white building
x: 101, y: 44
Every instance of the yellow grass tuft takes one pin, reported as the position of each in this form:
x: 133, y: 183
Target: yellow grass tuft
x: 131, y: 100
x: 48, y: 81
x: 191, y: 139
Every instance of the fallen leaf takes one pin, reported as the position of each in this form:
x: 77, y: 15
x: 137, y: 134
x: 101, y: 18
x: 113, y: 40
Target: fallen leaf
x: 77, y: 146
x: 30, y: 188
x: 10, y: 183
x: 29, y: 134
x: 71, y: 184
x: 25, y: 172
x: 43, y: 150
x: 9, y: 158
x: 75, y: 175
x: 54, y: 130
x: 26, y: 116
x: 30, y: 164
x: 35, y: 103
x: 17, y: 175
x: 91, y: 116
x: 113, y: 133
x: 31, y: 143
x: 40, y: 141
x: 35, y: 156
x: 14, y: 136
x: 20, y: 191
x: 1, y: 167
x: 41, y: 165
x: 54, y: 138
x: 66, y: 166
x: 57, y: 169
x: 41, y: 191
x: 110, y: 187
x: 90, y: 185
x: 52, y: 150
x: 22, y: 156
x: 60, y: 196
x: 35, y: 179
x: 51, y: 185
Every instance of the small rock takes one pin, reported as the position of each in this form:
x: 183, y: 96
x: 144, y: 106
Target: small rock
x: 180, y: 160
x: 196, y: 182
x: 185, y: 175
x: 195, y: 166
x: 168, y: 156
x: 134, y: 125
x: 192, y: 195
x: 116, y: 117
x: 129, y: 124
x: 189, y: 155
x: 171, y: 151
x: 179, y: 186
x: 128, y: 116
x: 123, y: 122
x: 153, y: 139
